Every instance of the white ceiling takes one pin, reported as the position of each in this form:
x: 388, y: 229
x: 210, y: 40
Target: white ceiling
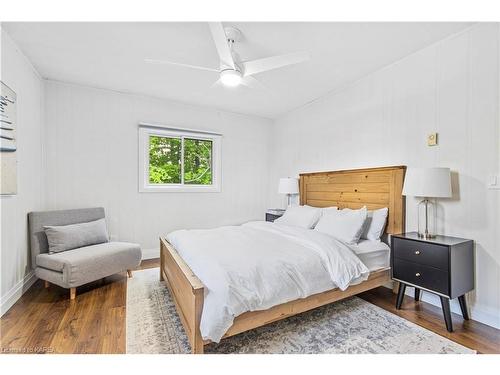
x: 110, y: 55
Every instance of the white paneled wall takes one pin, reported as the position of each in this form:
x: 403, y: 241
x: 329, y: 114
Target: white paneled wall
x: 18, y: 73
x: 85, y: 153
x: 451, y: 87
x: 92, y: 160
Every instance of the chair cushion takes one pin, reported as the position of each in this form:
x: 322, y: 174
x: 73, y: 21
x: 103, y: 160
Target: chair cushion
x: 89, y: 263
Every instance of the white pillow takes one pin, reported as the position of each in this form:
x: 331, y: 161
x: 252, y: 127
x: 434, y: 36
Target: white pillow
x: 345, y: 225
x: 375, y: 224
x: 300, y: 216
x: 332, y: 208
x: 323, y: 208
x: 67, y: 237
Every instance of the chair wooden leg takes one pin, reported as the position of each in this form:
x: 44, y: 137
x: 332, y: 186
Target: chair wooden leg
x: 129, y: 273
x: 72, y: 293
x: 46, y: 284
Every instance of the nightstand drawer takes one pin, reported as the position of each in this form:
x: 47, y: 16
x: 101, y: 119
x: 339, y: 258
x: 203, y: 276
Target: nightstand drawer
x: 422, y: 253
x: 417, y: 274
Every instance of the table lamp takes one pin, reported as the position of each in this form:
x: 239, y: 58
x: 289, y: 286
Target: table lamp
x: 288, y: 186
x: 427, y: 183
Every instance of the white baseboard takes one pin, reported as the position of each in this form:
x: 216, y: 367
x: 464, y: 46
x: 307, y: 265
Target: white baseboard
x: 16, y: 292
x: 150, y: 253
x: 476, y: 313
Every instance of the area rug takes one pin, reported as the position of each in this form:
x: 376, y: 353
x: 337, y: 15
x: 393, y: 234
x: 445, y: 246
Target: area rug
x: 348, y: 326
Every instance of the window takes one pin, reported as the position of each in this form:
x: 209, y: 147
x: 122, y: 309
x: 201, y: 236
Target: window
x: 178, y: 160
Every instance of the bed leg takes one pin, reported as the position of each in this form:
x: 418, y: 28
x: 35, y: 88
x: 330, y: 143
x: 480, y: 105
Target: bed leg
x: 197, y: 341
x: 198, y: 346
x: 187, y: 292
x: 395, y: 287
x: 162, y: 250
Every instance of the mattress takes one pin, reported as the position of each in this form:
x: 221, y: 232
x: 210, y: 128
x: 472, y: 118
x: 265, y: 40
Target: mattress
x: 374, y: 254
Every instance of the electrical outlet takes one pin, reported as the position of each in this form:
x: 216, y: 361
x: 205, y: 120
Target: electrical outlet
x: 493, y: 182
x: 432, y: 139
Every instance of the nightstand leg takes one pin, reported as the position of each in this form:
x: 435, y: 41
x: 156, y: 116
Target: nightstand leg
x: 417, y: 294
x: 401, y: 294
x: 463, y: 306
x: 445, y: 303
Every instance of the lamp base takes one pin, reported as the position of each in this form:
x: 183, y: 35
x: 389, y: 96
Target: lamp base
x: 426, y: 219
x: 427, y: 236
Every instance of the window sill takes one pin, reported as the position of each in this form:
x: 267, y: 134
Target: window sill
x: 179, y: 189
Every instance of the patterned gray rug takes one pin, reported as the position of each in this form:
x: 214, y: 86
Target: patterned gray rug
x: 348, y: 326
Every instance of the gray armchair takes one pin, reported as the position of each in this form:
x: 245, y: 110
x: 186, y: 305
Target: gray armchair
x: 72, y: 268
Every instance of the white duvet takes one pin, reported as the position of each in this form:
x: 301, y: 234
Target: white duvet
x: 259, y: 265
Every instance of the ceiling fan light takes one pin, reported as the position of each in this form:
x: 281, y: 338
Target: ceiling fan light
x: 230, y: 78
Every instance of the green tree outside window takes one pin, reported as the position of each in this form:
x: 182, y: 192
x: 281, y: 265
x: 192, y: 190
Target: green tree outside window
x: 165, y: 161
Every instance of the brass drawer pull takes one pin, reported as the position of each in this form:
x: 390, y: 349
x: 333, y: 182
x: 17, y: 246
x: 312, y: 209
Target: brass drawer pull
x: 417, y: 252
x: 417, y: 274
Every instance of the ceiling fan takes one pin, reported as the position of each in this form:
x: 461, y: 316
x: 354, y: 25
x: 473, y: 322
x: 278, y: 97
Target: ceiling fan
x: 233, y: 72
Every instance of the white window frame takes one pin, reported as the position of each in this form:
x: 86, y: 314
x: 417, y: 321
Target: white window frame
x: 147, y: 130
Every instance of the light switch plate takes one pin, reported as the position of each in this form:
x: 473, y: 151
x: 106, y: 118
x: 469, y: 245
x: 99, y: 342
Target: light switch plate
x: 493, y: 182
x: 432, y: 139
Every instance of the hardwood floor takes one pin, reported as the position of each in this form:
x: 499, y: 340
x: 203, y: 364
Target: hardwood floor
x: 469, y: 333
x: 46, y: 321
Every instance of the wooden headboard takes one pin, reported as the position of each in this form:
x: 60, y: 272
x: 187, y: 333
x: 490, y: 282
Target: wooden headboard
x: 371, y: 187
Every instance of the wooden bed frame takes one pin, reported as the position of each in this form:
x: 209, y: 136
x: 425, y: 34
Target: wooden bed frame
x: 371, y: 187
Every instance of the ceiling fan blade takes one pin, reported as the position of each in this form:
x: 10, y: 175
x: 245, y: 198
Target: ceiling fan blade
x: 217, y: 83
x: 220, y: 40
x: 269, y: 63
x: 164, y: 62
x: 254, y: 83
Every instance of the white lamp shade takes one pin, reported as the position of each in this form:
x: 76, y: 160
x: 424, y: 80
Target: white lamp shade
x: 427, y: 182
x: 288, y: 186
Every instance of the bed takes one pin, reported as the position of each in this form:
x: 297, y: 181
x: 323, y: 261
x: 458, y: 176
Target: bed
x: 373, y: 187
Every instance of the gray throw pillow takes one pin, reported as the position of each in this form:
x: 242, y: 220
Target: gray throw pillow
x: 68, y: 237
